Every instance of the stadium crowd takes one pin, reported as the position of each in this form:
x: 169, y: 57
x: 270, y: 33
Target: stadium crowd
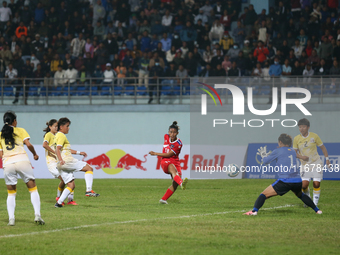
x: 73, y: 40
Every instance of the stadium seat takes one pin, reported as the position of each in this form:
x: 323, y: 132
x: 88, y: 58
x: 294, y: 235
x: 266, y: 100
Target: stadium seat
x: 106, y: 91
x: 186, y: 90
x: 166, y: 90
x: 316, y: 90
x: 82, y: 91
x: 8, y: 91
x: 94, y: 91
x: 33, y: 91
x: 264, y: 90
x: 117, y: 90
x: 141, y: 90
x: 177, y: 90
x: 329, y: 89
x: 129, y: 90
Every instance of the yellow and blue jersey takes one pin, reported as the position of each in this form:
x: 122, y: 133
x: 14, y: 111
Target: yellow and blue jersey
x: 307, y: 146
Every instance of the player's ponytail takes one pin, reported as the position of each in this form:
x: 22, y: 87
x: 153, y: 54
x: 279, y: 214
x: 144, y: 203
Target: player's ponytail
x: 49, y: 124
x: 7, y: 130
x: 174, y: 125
x: 62, y: 122
x: 286, y: 140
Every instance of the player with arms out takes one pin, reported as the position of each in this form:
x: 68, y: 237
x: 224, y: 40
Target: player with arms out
x: 289, y: 176
x: 15, y: 161
x: 305, y: 144
x: 170, y: 163
x: 67, y: 164
x: 51, y: 158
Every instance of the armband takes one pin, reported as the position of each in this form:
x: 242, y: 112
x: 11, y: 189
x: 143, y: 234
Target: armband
x: 78, y: 153
x: 327, y: 158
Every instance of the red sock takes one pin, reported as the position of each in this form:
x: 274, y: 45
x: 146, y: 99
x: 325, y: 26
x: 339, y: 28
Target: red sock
x: 167, y: 194
x: 178, y: 180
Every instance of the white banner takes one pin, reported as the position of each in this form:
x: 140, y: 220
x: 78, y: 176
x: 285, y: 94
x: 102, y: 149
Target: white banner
x: 127, y: 161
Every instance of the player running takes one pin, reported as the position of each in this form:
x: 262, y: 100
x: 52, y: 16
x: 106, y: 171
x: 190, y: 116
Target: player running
x: 15, y: 161
x: 51, y: 158
x: 68, y: 164
x: 289, y: 176
x: 311, y: 165
x: 170, y: 163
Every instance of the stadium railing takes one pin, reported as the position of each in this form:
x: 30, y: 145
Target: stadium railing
x: 50, y: 91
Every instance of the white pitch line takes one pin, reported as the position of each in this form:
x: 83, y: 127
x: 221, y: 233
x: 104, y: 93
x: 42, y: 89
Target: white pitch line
x: 134, y: 221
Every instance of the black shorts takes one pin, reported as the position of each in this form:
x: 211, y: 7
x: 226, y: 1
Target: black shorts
x: 282, y: 188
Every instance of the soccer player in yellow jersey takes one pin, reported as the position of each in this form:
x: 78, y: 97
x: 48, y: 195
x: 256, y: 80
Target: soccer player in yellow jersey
x: 15, y: 161
x: 305, y: 145
x: 51, y: 158
x: 68, y: 164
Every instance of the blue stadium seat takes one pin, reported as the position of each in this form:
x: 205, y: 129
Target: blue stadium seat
x: 105, y: 91
x: 141, y: 90
x: 329, y: 89
x: 166, y: 90
x: 43, y: 91
x: 177, y: 90
x: 33, y: 91
x: 316, y: 90
x: 8, y: 91
x: 129, y: 90
x: 117, y: 90
x: 82, y: 91
x: 94, y: 91
x: 186, y: 90
x: 264, y: 90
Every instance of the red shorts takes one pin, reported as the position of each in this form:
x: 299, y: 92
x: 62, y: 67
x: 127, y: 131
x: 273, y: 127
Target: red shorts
x: 166, y: 162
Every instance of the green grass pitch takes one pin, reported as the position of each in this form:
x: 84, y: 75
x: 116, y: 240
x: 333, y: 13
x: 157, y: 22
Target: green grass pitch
x: 204, y: 219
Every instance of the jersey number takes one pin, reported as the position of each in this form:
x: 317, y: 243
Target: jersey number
x: 305, y: 144
x: 291, y: 160
x: 9, y: 148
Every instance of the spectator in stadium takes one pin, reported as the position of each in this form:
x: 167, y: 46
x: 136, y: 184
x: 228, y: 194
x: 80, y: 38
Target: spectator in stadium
x: 207, y: 71
x: 219, y: 72
x: 98, y: 73
x: 99, y: 12
x: 226, y: 41
x: 190, y: 64
x: 322, y: 69
x: 121, y: 72
x: 308, y: 71
x: 178, y: 60
x: 261, y: 52
x: 55, y: 63
x: 166, y: 42
x: 181, y: 75
x: 335, y: 69
x: 155, y: 73
x: 130, y: 75
x: 225, y: 20
x: 275, y: 69
x: 272, y: 51
x: 216, y: 32
x: 188, y: 35
x: 233, y: 52
x: 234, y: 71
x: 143, y: 69
x: 160, y: 60
x: 239, y: 34
x: 184, y: 49
x: 297, y: 70
x: 130, y: 42
x: 170, y: 54
x: 21, y: 30
x: 99, y: 30
x: 79, y: 63
x: 336, y: 50
x: 314, y: 60
x: 226, y: 64
x: 5, y: 15
x: 77, y: 46
x: 247, y: 49
x: 297, y: 48
x: 12, y: 74
x: 71, y: 75
x: 202, y: 17
x: 326, y: 49
x: 59, y: 77
x: 167, y: 20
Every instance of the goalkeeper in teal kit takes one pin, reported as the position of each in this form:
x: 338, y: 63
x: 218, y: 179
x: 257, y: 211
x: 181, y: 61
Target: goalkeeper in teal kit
x: 289, y: 175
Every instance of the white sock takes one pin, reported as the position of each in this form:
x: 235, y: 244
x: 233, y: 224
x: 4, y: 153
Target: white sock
x: 70, y: 196
x: 59, y: 192
x: 11, y: 205
x: 35, y: 199
x: 316, y: 195
x: 88, y: 180
x: 64, y: 195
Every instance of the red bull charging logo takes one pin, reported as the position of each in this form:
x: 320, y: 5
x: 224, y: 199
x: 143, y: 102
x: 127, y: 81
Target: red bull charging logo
x: 115, y: 161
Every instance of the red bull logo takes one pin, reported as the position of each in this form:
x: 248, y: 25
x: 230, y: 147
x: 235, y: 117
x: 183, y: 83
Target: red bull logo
x: 115, y: 161
x: 127, y: 161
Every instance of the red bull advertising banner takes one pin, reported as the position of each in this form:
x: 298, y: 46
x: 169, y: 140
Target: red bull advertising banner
x: 134, y: 161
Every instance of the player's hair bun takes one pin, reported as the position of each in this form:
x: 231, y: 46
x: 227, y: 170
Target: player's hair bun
x: 47, y: 123
x: 174, y: 123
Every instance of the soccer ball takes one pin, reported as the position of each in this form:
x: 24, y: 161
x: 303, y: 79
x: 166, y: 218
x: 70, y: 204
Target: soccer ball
x: 233, y: 170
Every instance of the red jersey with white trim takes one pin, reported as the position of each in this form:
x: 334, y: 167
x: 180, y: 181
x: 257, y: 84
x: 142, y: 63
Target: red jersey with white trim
x: 175, y: 146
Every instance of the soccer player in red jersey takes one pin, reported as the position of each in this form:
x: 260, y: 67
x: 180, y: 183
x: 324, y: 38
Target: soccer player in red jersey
x: 170, y: 163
